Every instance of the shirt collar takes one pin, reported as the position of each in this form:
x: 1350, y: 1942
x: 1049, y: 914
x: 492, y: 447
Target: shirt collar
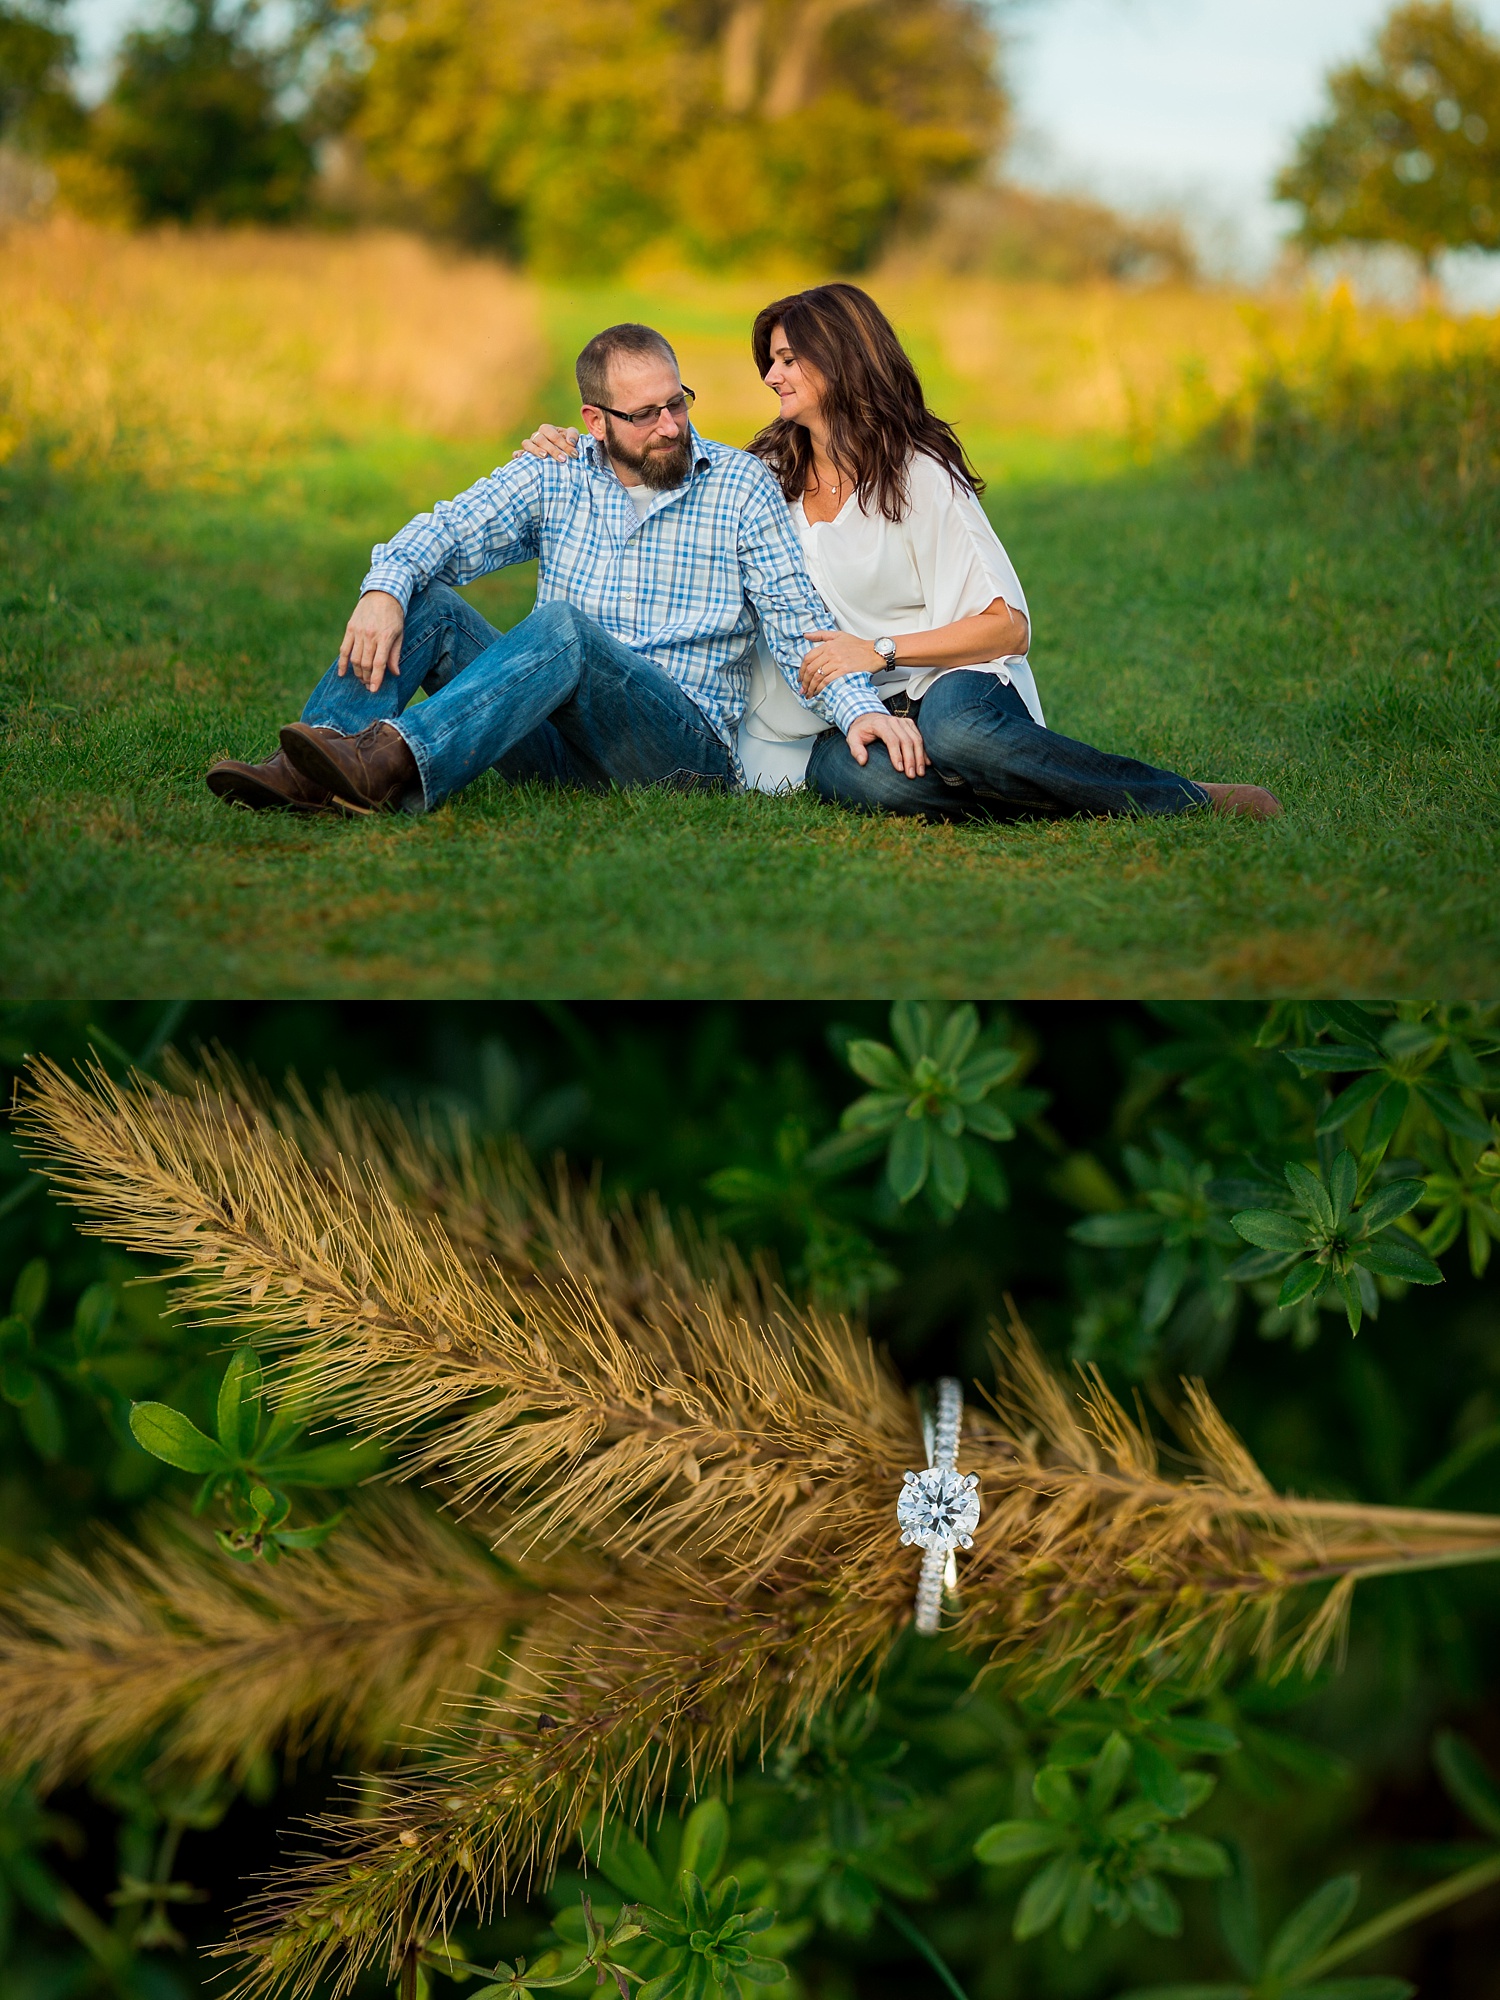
x: 593, y: 455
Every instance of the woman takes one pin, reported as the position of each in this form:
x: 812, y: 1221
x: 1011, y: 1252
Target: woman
x: 886, y: 506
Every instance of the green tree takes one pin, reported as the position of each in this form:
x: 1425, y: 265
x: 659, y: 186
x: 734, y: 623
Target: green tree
x: 1409, y: 151
x: 38, y: 111
x: 581, y: 131
x: 193, y: 121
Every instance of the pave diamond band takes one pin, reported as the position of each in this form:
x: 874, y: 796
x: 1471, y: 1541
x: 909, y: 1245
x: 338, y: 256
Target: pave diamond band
x: 938, y: 1510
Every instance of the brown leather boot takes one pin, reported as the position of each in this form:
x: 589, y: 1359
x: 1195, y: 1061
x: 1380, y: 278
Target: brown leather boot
x: 276, y: 785
x: 373, y: 769
x: 1243, y: 801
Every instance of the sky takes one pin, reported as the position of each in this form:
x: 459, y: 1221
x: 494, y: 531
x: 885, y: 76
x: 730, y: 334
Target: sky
x: 1187, y: 103
x: 1191, y: 103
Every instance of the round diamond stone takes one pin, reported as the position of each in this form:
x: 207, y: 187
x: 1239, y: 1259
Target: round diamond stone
x: 938, y: 1508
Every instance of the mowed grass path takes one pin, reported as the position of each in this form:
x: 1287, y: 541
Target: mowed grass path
x: 1327, y: 636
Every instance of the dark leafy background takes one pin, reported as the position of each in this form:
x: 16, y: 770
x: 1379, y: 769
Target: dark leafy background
x: 733, y: 1112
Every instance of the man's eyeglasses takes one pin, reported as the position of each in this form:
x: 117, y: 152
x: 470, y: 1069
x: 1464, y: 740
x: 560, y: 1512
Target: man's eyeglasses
x: 644, y: 420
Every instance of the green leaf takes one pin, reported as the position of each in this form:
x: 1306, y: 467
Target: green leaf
x: 874, y: 1063
x: 876, y: 1111
x: 1044, y: 1896
x: 1198, y: 1737
x: 1335, y: 1059
x: 908, y: 1158
x: 625, y: 1860
x: 1258, y: 1264
x: 238, y: 1415
x: 911, y: 1026
x: 41, y: 1420
x: 169, y: 1435
x: 762, y: 1971
x: 666, y: 1985
x: 1012, y: 1840
x: 987, y: 1182
x: 1270, y: 1229
x: 1239, y: 1912
x: 1078, y: 1915
x: 956, y: 1037
x: 1468, y: 1779
x: 1354, y: 1307
x: 1164, y: 1283
x: 1156, y: 1906
x: 988, y: 1121
x: 1312, y: 1926
x: 1385, y: 1121
x: 705, y: 1840
x: 1053, y: 1791
x: 1108, y: 1774
x: 1390, y: 1201
x: 950, y: 1171
x: 311, y: 1537
x: 93, y: 1316
x: 1309, y: 1194
x: 1190, y: 1855
x: 1307, y: 1280
x: 981, y: 1073
x: 18, y: 1383
x: 30, y: 1293
x: 1343, y: 1185
x: 1453, y: 1113
x: 1367, y: 1091
x: 1123, y: 1231
x: 325, y: 1465
x: 1159, y: 1778
x: 1397, y: 1257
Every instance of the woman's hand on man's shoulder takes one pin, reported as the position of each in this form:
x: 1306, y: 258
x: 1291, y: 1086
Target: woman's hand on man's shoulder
x: 547, y: 441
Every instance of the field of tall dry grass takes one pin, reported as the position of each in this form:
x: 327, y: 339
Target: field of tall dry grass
x: 185, y: 352
x: 180, y: 351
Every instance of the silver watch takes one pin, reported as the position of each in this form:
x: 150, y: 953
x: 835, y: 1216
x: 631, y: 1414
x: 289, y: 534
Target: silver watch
x: 887, y: 651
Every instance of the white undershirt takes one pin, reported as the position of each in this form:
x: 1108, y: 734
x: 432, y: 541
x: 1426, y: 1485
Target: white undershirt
x: 881, y: 578
x: 641, y: 498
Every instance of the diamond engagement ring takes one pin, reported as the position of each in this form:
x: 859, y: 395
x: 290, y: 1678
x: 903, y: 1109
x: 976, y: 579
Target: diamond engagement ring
x: 938, y: 1509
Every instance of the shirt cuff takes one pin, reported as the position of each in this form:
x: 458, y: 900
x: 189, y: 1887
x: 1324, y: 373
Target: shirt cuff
x: 394, y: 578
x: 846, y: 698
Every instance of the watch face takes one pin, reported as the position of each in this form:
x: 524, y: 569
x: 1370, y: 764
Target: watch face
x: 938, y: 1508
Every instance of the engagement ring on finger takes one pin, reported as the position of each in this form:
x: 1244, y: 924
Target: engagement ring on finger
x: 938, y: 1510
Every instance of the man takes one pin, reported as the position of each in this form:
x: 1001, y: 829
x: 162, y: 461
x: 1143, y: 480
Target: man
x: 658, y: 550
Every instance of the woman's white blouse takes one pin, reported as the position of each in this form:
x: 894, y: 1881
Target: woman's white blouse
x: 881, y: 578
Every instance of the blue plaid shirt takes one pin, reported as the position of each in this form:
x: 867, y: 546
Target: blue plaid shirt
x: 683, y: 587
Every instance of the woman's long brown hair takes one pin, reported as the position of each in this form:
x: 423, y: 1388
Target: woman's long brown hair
x: 873, y: 404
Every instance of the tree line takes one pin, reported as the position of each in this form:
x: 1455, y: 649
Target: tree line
x: 584, y: 130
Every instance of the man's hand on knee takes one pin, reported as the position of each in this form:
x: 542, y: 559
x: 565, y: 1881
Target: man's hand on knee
x: 372, y: 639
x: 902, y: 740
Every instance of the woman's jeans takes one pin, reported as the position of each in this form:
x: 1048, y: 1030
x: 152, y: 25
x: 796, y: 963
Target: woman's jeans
x: 555, y: 699
x: 987, y: 759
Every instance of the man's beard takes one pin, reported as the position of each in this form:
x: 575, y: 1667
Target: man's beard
x: 660, y: 465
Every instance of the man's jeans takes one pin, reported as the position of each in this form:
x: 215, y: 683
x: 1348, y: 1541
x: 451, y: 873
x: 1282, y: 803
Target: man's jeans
x: 978, y: 729
x: 556, y: 699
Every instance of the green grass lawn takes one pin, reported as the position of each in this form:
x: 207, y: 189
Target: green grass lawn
x: 1323, y: 635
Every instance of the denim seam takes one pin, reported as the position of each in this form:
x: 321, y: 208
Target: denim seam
x: 419, y: 758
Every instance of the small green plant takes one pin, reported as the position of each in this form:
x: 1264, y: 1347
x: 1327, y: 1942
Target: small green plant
x: 688, y: 1937
x: 933, y: 1108
x: 1099, y: 1857
x: 251, y: 1463
x: 1308, y: 1945
x: 1424, y: 1058
x: 1332, y: 1240
x: 1182, y: 1216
